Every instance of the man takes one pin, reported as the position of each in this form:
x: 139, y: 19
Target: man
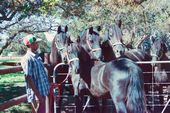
x: 37, y: 83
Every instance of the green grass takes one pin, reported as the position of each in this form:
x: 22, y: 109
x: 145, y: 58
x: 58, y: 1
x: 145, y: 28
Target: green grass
x: 12, y: 78
x: 11, y: 60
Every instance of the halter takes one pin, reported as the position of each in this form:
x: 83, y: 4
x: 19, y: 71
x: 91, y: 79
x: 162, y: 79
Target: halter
x: 88, y: 44
x: 116, y: 43
x: 155, y: 55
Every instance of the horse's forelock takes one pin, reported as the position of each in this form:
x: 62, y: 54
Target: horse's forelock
x: 117, y: 33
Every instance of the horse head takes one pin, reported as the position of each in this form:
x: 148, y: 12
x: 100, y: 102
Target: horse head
x: 158, y: 48
x: 114, y: 36
x: 60, y: 41
x: 90, y: 42
x: 146, y: 45
x: 72, y: 56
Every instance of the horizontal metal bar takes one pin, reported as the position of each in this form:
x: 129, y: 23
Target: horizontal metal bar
x: 166, y: 83
x: 73, y: 106
x: 151, y: 62
x: 157, y: 94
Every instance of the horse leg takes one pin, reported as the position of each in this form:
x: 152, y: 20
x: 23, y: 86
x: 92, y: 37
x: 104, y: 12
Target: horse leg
x: 78, y: 103
x: 94, y: 101
x: 118, y: 102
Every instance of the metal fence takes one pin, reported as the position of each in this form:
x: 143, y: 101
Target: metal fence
x: 153, y: 96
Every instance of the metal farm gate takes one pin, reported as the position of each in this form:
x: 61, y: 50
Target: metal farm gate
x: 66, y: 104
x: 157, y: 102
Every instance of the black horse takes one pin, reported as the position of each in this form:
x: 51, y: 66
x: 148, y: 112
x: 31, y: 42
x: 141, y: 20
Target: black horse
x: 113, y: 47
x: 161, y: 70
x: 121, y: 78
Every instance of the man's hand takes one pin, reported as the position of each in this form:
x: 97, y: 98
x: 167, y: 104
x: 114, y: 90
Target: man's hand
x: 40, y: 98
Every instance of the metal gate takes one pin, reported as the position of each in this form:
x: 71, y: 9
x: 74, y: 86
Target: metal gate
x: 155, y: 104
x: 67, y: 101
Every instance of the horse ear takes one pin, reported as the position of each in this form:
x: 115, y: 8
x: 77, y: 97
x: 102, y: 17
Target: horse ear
x: 91, y: 30
x: 120, y: 23
x: 78, y: 39
x: 69, y: 40
x: 164, y: 47
x: 152, y: 39
x: 98, y: 28
x: 66, y: 28
x: 59, y: 29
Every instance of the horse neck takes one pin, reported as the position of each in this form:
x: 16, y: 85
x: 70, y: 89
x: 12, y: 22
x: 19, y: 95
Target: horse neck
x: 107, y: 52
x: 137, y: 55
x: 86, y: 65
x: 163, y: 57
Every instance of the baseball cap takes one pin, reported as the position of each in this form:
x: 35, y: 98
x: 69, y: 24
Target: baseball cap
x: 29, y: 39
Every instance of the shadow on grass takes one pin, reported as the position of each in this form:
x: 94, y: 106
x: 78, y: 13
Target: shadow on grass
x: 9, y: 91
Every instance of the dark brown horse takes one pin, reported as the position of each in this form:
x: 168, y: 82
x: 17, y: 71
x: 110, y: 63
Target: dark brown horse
x: 74, y: 70
x: 121, y: 78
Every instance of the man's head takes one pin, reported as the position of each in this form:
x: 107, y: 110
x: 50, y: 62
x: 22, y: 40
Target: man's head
x: 31, y: 42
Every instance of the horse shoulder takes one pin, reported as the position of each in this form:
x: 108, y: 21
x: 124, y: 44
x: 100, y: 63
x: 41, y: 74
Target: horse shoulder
x: 97, y: 86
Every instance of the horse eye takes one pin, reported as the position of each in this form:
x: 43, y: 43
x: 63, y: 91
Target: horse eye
x: 91, y: 41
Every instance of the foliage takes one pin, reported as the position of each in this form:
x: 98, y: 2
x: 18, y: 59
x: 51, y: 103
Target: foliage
x: 151, y: 17
x: 141, y: 17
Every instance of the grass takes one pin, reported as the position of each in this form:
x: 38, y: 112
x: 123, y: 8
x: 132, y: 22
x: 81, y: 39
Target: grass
x: 12, y: 78
x: 11, y: 60
x: 13, y: 85
x: 7, y: 60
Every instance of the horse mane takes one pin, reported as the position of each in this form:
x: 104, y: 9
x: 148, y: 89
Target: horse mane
x: 83, y: 34
x: 107, y: 51
x: 116, y: 31
x: 86, y: 65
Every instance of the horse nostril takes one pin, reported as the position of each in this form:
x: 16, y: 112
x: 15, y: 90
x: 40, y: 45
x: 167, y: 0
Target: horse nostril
x: 121, y: 53
x: 78, y: 70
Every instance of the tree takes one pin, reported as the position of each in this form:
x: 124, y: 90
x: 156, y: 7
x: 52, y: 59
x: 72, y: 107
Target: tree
x: 138, y: 21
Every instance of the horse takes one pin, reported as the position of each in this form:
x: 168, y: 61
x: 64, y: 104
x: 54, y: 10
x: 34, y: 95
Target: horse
x: 161, y: 70
x: 74, y: 67
x: 121, y: 78
x: 58, y: 56
x: 113, y: 45
x: 113, y: 38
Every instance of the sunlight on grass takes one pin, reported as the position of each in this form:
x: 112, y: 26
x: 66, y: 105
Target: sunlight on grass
x: 17, y: 77
x: 11, y: 60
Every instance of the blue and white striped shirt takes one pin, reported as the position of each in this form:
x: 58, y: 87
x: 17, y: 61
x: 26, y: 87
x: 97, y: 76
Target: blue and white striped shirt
x: 33, y: 66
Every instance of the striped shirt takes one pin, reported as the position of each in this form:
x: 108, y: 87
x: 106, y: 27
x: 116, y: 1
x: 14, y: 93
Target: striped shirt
x: 33, y: 66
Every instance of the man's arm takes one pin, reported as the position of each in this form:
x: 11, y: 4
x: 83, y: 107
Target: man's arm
x: 31, y: 84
